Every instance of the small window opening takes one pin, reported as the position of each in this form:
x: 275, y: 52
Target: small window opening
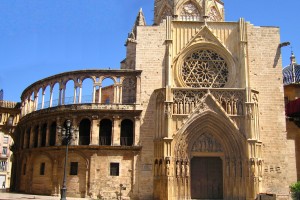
x: 74, y: 168
x: 42, y: 169
x: 114, y: 169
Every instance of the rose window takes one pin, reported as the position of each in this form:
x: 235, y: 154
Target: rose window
x: 204, y: 68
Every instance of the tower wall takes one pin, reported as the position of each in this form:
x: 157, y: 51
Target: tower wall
x: 150, y: 59
x: 265, y: 75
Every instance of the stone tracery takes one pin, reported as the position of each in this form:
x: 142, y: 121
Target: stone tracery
x: 213, y: 15
x: 189, y: 11
x: 204, y: 68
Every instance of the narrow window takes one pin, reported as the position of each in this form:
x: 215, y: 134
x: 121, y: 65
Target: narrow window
x: 126, y: 138
x: 114, y: 169
x: 36, y: 137
x: 84, y: 132
x: 24, y: 169
x: 4, y: 151
x: 5, y: 140
x: 74, y: 168
x: 2, y: 166
x: 42, y: 169
x: 105, y: 132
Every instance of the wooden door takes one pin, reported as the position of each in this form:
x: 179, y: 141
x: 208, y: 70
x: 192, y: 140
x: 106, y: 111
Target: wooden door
x: 206, y: 178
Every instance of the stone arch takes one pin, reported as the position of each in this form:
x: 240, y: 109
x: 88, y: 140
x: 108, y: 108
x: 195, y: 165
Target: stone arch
x: 166, y: 10
x: 230, y: 146
x: 108, y: 89
x: 180, y: 9
x: 233, y: 141
x: 87, y: 85
x: 84, y: 131
x: 54, y: 94
x: 68, y: 96
x: 213, y: 47
x: 105, y: 131
x: 76, y: 184
x: 127, y: 132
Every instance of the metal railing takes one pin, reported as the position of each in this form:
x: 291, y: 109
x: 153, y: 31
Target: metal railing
x: 126, y: 141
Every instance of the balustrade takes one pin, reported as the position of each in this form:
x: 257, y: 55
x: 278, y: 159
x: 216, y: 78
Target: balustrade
x: 124, y: 89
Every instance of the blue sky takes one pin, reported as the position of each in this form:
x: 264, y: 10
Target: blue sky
x: 40, y: 38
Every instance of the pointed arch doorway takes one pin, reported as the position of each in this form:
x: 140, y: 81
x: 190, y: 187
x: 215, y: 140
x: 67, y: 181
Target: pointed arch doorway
x: 206, y: 178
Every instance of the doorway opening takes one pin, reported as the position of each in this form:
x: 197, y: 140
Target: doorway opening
x: 206, y: 178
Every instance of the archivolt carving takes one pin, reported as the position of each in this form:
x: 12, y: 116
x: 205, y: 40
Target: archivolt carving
x: 204, y: 68
x: 206, y: 143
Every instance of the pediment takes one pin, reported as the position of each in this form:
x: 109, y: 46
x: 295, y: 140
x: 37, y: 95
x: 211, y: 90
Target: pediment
x: 203, y: 36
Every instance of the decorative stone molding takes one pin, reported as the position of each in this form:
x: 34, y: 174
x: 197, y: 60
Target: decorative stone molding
x: 207, y: 143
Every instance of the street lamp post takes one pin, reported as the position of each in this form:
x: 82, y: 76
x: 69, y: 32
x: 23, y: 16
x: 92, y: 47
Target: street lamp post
x: 66, y: 134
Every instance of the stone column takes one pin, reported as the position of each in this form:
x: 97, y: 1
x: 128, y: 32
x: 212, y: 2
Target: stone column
x: 60, y: 96
x: 40, y: 135
x: 51, y: 97
x: 43, y: 99
x: 80, y: 93
x: 31, y: 141
x: 57, y: 138
x: 120, y: 94
x: 36, y: 101
x: 137, y: 124
x: 95, y: 131
x: 48, y: 134
x: 99, y: 94
x: 94, y: 94
x: 138, y: 90
x: 75, y: 93
x: 116, y: 132
x: 115, y: 94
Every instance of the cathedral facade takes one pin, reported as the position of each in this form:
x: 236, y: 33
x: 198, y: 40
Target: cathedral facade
x: 195, y: 112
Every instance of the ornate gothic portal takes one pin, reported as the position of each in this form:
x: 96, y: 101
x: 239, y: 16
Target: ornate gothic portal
x: 210, y: 157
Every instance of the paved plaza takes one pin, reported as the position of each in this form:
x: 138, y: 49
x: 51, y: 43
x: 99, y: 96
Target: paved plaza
x: 17, y: 196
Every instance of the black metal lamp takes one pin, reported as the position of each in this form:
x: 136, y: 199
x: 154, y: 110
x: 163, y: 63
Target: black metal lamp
x: 66, y: 134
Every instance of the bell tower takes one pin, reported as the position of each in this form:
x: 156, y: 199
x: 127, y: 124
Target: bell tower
x: 189, y: 10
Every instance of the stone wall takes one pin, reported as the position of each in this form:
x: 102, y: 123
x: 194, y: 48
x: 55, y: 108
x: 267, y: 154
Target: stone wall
x: 265, y: 75
x: 150, y: 59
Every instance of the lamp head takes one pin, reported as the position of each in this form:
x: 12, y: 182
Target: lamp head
x: 68, y: 123
x: 10, y: 120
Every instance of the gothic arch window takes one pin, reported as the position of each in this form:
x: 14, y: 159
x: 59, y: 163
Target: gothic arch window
x: 105, y: 132
x: 213, y: 15
x: 189, y: 11
x: 44, y: 133
x: 36, y: 137
x: 28, y: 137
x: 84, y: 132
x: 126, y: 132
x: 166, y: 12
x: 53, y: 134
x: 204, y: 68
